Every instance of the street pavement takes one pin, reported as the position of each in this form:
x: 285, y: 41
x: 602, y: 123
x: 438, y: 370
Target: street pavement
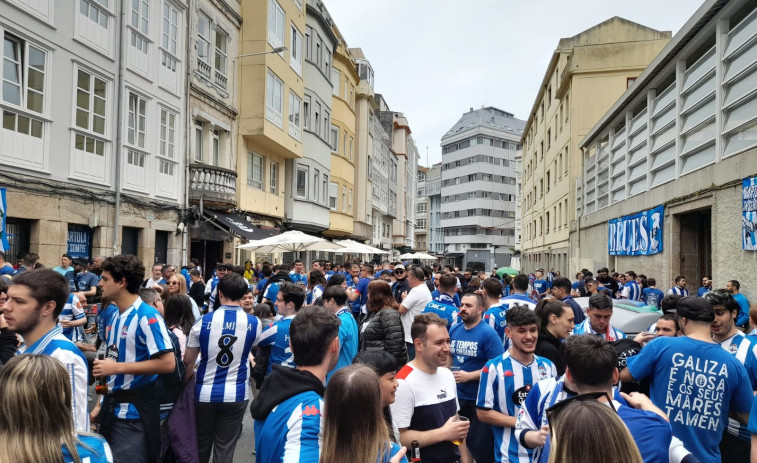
x: 246, y: 443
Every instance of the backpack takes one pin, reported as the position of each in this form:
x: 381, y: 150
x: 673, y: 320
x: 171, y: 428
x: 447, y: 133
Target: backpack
x: 172, y: 383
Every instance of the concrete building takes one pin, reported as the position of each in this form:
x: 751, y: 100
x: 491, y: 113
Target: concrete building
x: 585, y: 76
x: 271, y: 109
x: 365, y: 107
x: 433, y: 191
x: 307, y: 178
x: 428, y: 233
x: 92, y: 142
x: 383, y: 169
x: 478, y: 188
x: 344, y: 80
x: 421, y: 211
x: 395, y: 124
x: 681, y: 139
x: 213, y: 106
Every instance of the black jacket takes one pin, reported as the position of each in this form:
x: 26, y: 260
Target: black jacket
x: 197, y: 292
x: 384, y: 332
x: 550, y: 347
x: 399, y: 287
x: 279, y: 386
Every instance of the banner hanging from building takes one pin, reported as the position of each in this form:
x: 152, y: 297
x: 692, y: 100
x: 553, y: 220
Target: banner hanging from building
x: 79, y: 241
x: 638, y: 234
x: 749, y: 214
x: 3, y: 209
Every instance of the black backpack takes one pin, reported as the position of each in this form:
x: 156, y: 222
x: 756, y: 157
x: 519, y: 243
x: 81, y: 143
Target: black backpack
x: 172, y: 383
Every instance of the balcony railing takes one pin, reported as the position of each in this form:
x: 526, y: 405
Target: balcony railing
x: 203, y: 68
x: 220, y: 80
x: 215, y: 185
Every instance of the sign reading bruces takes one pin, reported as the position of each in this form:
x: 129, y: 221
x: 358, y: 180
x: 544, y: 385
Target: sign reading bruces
x: 638, y: 234
x: 749, y: 214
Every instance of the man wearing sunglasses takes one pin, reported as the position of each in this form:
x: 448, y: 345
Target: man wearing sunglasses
x: 400, y: 285
x: 694, y: 380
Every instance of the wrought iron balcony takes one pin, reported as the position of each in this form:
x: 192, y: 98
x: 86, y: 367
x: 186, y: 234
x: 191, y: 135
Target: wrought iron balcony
x: 215, y: 185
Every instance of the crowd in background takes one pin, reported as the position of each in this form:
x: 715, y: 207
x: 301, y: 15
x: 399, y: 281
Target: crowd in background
x: 364, y: 362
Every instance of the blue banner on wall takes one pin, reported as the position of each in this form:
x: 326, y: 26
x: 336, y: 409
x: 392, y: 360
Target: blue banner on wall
x: 749, y: 214
x: 3, y: 209
x: 638, y: 234
x: 79, y: 242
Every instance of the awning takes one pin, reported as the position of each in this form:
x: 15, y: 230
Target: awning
x: 454, y: 255
x: 239, y: 225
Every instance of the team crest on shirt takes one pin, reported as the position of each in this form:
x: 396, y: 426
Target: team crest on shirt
x: 124, y: 332
x: 542, y: 372
x: 520, y: 394
x: 733, y: 348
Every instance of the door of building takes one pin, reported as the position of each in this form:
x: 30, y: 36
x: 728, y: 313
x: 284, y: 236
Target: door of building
x: 208, y: 252
x: 695, y: 240
x: 129, y: 240
x: 161, y: 247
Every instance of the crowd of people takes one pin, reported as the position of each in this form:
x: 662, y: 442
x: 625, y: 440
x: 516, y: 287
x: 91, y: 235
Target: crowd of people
x: 362, y: 362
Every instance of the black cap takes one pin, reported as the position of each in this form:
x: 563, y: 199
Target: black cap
x: 81, y: 261
x: 695, y: 308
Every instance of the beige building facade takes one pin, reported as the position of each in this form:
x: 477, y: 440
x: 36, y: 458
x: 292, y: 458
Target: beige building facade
x: 344, y: 79
x: 680, y: 139
x: 586, y: 75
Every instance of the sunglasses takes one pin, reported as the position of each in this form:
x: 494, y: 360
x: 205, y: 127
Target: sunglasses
x: 399, y: 272
x: 555, y: 409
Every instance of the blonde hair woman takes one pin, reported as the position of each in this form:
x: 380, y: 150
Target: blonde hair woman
x: 354, y: 429
x: 178, y: 285
x: 579, y: 425
x: 36, y: 424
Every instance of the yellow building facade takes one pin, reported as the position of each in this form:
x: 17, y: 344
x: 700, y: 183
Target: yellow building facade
x: 586, y: 75
x: 271, y: 90
x: 344, y: 79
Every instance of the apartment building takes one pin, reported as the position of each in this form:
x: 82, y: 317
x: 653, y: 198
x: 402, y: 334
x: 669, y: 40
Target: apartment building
x: 344, y: 81
x: 271, y: 114
x: 213, y: 107
x: 92, y: 139
x: 383, y: 169
x: 669, y: 171
x: 307, y: 178
x: 585, y: 76
x: 365, y: 109
x: 421, y: 211
x: 478, y: 188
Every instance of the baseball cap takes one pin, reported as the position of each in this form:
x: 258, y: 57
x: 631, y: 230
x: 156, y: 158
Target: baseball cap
x: 81, y: 261
x: 399, y: 267
x: 695, y: 308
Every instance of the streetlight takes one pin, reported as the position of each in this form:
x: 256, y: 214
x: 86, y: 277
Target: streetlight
x: 275, y: 50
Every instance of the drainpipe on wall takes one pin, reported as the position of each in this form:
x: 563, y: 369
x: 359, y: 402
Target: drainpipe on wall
x: 119, y: 135
x: 187, y: 131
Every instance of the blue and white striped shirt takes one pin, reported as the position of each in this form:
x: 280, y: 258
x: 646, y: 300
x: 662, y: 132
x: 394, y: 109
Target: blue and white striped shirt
x: 745, y: 351
x: 533, y: 412
x: 611, y: 334
x: 683, y: 292
x: 135, y: 335
x: 631, y: 291
x: 225, y: 338
x: 59, y: 347
x: 72, y: 311
x: 292, y: 431
x: 276, y: 335
x: 505, y: 383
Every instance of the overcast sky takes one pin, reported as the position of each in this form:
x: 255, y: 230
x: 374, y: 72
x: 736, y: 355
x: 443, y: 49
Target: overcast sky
x: 435, y: 59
